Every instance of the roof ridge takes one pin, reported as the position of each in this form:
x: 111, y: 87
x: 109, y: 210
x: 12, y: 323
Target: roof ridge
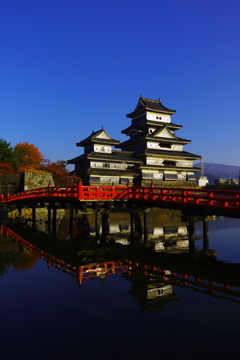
x: 145, y: 104
x: 151, y: 100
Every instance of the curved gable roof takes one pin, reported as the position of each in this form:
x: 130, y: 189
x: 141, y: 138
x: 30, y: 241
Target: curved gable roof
x: 100, y: 137
x: 163, y: 132
x: 145, y: 104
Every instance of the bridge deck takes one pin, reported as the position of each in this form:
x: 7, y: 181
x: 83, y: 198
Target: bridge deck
x: 200, y: 198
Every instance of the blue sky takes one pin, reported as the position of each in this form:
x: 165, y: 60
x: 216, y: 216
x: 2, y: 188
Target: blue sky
x: 68, y: 67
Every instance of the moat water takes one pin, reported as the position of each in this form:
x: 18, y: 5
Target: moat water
x: 93, y: 297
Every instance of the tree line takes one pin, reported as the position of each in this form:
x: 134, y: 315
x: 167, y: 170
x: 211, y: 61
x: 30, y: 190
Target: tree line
x: 27, y: 157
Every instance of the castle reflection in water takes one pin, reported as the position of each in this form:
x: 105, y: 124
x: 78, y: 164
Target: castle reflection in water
x: 96, y: 245
x: 161, y: 229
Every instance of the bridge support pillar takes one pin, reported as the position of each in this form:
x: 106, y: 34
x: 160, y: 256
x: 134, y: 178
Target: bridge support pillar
x: 85, y: 225
x: 54, y: 222
x: 33, y: 217
x: 71, y: 223
x: 145, y: 224
x: 205, y: 236
x: 97, y: 227
x: 49, y: 221
x: 133, y: 228
x: 105, y: 226
x: 191, y: 230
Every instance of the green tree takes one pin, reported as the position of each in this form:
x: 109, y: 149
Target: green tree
x: 7, y: 153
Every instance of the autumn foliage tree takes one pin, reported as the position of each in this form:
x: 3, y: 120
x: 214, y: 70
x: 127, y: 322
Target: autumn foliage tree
x: 60, y: 174
x: 6, y: 168
x: 28, y: 157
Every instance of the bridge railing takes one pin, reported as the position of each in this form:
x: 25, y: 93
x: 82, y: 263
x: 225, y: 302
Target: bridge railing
x: 79, y: 192
x: 198, y: 197
x: 101, y: 192
x: 50, y: 191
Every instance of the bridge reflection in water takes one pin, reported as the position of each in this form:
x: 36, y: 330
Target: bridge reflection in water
x: 161, y: 275
x: 155, y: 250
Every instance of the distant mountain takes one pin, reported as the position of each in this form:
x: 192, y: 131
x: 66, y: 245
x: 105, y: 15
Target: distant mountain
x: 214, y: 171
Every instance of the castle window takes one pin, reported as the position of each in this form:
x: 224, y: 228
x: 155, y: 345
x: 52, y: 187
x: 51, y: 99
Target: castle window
x: 191, y: 177
x: 151, y: 130
x: 165, y: 146
x: 169, y: 163
x: 170, y: 177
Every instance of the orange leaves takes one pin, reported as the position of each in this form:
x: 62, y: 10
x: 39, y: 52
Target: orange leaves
x: 60, y: 174
x: 6, y: 168
x: 28, y: 156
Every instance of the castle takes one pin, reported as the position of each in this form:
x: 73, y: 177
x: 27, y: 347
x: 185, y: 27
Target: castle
x: 153, y: 154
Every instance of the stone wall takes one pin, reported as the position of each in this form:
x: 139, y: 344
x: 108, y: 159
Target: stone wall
x: 36, y: 179
x: 180, y: 184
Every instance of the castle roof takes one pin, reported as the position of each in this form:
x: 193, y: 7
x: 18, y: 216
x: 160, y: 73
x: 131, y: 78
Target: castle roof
x: 169, y: 168
x: 115, y: 156
x: 112, y: 172
x: 145, y: 104
x: 152, y: 138
x: 168, y: 153
x: 145, y: 124
x: 98, y: 137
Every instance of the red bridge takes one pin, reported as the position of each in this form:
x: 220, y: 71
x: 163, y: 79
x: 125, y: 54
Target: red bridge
x: 200, y: 198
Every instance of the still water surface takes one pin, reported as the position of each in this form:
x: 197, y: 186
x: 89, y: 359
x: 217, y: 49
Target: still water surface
x: 49, y: 311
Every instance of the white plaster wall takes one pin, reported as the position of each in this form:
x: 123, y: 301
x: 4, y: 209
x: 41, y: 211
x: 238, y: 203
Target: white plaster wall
x: 158, y: 117
x: 103, y: 149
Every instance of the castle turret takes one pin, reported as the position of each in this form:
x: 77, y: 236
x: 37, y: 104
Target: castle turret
x: 100, y: 164
x: 152, y: 139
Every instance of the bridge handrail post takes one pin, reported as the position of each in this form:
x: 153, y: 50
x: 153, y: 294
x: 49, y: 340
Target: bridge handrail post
x: 113, y: 191
x: 209, y: 197
x: 79, y: 191
x: 97, y: 194
x: 128, y: 191
x: 49, y: 189
x: 152, y: 191
x: 73, y: 191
